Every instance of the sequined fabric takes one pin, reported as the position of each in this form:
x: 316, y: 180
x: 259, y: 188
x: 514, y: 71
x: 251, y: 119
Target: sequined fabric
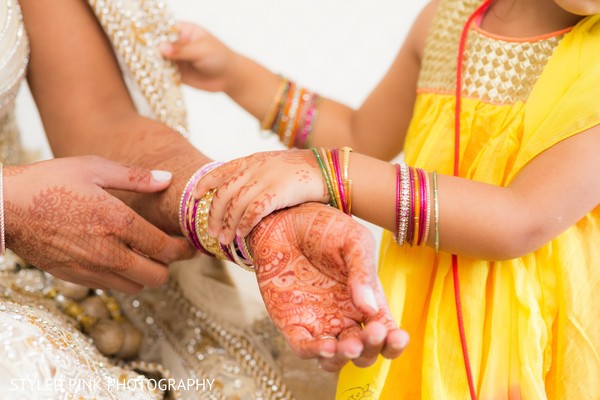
x: 495, y: 71
x: 14, y: 50
x: 136, y: 28
x: 43, y: 356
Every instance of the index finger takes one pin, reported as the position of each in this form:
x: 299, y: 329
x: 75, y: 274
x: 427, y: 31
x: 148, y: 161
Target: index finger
x: 152, y: 242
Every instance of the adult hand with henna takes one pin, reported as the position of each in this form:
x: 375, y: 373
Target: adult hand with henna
x: 316, y: 272
x: 60, y: 217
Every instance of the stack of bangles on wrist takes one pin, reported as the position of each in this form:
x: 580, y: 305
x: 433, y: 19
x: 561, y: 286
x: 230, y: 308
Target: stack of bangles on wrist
x: 193, y: 221
x: 292, y: 114
x: 416, y: 196
x: 416, y: 204
x: 335, y: 174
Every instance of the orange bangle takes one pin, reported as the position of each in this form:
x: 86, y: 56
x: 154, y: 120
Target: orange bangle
x: 269, y: 119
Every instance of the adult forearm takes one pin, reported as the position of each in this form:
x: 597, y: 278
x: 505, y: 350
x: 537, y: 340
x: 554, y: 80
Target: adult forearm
x: 139, y: 141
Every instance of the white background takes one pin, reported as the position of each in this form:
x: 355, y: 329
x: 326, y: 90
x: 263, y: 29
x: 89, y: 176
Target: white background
x: 339, y: 48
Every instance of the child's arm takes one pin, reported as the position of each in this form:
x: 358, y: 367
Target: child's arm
x: 376, y: 128
x: 550, y: 194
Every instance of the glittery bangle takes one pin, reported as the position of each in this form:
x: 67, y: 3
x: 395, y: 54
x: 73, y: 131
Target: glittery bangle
x: 405, y: 203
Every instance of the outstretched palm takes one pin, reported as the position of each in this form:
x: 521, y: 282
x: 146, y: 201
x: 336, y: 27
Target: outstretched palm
x: 315, y: 269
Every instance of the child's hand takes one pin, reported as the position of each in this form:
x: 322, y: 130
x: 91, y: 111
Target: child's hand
x: 204, y: 62
x: 252, y: 187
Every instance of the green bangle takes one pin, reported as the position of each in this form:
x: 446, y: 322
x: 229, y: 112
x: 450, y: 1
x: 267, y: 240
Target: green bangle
x: 326, y: 178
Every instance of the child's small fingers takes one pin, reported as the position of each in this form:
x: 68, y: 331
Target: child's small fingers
x: 192, y: 51
x: 189, y: 31
x: 255, y: 212
x: 220, y: 202
x: 396, y: 342
x: 237, y: 207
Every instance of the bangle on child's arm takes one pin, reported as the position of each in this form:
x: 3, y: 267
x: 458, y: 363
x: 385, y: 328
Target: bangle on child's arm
x: 292, y: 114
x: 414, y: 208
x: 335, y: 175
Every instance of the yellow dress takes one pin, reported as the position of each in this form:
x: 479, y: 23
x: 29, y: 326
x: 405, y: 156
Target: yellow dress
x: 532, y: 323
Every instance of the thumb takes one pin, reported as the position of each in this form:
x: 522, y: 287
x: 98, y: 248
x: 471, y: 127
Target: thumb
x: 362, y: 272
x: 133, y: 179
x: 193, y: 51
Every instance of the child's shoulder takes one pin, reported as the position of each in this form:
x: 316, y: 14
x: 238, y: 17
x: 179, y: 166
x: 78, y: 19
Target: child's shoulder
x: 422, y: 25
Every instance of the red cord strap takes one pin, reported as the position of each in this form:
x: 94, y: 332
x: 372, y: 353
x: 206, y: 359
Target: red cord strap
x: 459, y: 70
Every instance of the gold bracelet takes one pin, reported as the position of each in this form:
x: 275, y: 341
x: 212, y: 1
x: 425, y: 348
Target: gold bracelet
x: 210, y: 244
x: 272, y: 112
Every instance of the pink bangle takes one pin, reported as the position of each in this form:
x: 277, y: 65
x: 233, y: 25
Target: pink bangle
x: 423, y: 204
x: 188, y: 206
x: 189, y: 186
x: 428, y: 216
x: 309, y: 122
x: 338, y: 175
x: 411, y: 216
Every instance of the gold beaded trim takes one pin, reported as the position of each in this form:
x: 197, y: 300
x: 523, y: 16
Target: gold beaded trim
x: 136, y: 28
x: 235, y: 344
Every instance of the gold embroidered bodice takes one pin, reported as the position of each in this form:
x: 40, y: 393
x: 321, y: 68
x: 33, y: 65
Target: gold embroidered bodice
x: 14, y: 50
x: 495, y: 70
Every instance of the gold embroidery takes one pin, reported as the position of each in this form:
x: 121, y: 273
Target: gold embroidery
x: 495, y: 71
x: 136, y: 28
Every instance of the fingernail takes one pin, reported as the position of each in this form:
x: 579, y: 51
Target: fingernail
x: 326, y: 354
x: 369, y: 297
x: 350, y: 355
x: 161, y: 176
x: 222, y: 238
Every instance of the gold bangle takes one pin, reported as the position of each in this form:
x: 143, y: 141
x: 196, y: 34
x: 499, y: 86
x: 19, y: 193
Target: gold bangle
x: 272, y: 112
x: 346, y: 179
x: 210, y: 244
x: 247, y: 250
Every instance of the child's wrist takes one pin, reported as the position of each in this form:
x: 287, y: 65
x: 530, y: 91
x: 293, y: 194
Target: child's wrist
x: 236, y: 77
